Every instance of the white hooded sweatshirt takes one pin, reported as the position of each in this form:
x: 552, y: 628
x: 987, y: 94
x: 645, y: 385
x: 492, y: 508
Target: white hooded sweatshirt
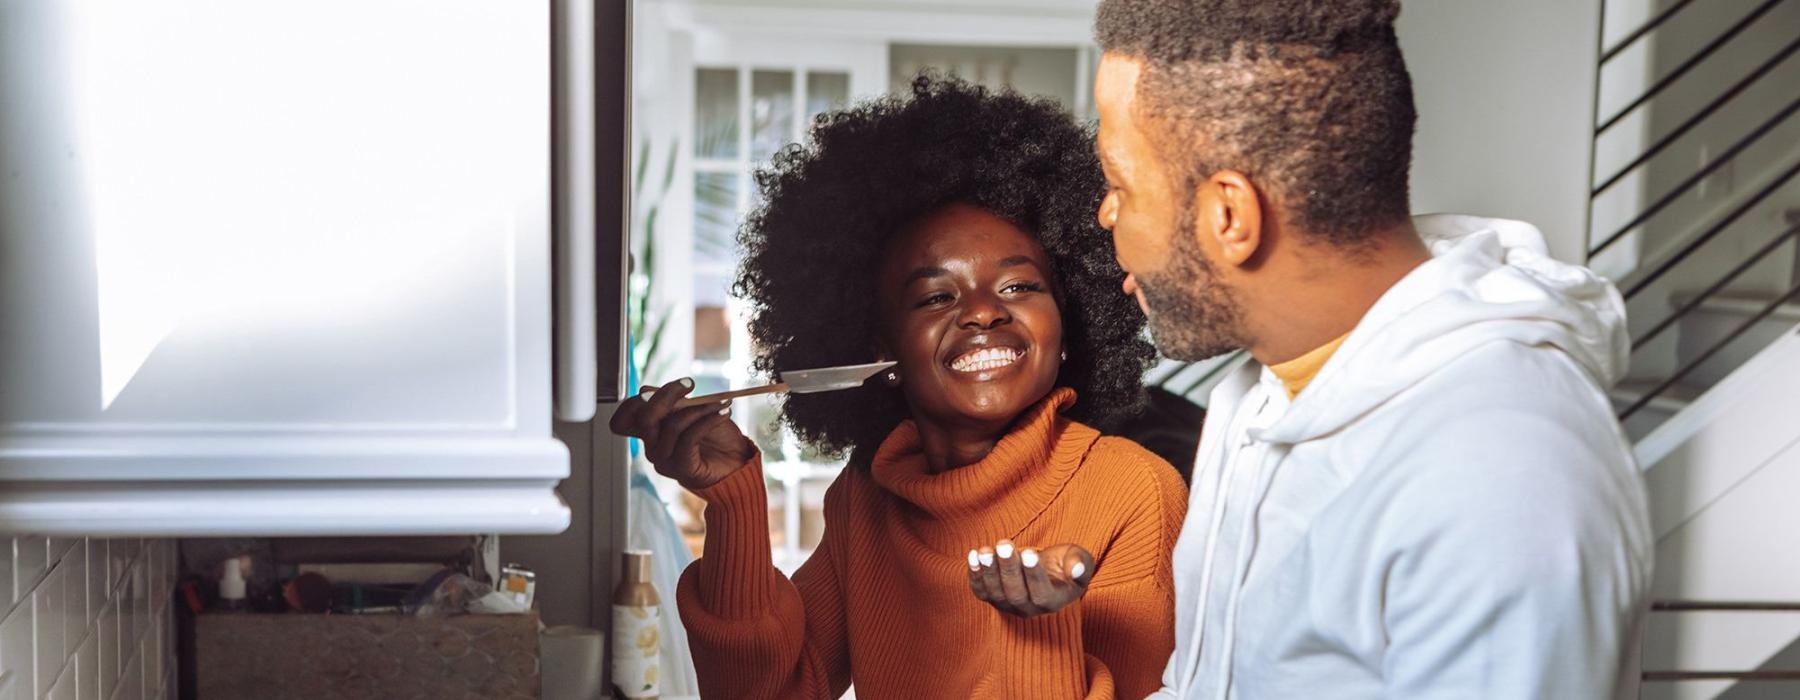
x: 1448, y: 510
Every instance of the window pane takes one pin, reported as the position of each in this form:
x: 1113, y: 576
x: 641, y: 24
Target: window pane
x: 712, y: 332
x: 715, y: 218
x: 711, y: 288
x: 771, y: 112
x: 707, y: 382
x: 826, y: 92
x: 1047, y: 72
x: 716, y: 113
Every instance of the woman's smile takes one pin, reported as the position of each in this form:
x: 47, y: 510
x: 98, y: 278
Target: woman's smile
x: 986, y: 361
x: 984, y: 357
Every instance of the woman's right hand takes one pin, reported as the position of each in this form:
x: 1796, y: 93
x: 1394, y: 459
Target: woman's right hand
x: 697, y: 446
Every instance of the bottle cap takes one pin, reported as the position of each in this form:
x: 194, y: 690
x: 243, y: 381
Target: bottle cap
x: 231, y: 580
x: 636, y: 565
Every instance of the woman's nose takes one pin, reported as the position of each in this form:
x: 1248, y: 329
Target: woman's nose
x: 984, y: 311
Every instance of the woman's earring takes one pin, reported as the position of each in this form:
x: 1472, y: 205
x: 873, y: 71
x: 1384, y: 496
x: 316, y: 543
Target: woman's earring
x: 1065, y: 356
x: 892, y: 378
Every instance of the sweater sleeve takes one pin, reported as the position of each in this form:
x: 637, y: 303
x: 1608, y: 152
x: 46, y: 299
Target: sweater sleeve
x: 1043, y: 657
x: 1129, y: 609
x: 754, y: 633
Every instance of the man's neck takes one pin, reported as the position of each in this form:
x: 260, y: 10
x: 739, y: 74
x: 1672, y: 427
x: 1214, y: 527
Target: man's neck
x: 1337, y: 290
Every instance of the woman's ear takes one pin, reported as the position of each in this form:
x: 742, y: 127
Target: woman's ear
x: 891, y: 375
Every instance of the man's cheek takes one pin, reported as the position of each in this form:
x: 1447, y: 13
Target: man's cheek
x: 1140, y: 248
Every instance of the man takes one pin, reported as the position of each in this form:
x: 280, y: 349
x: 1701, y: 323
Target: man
x: 1417, y: 489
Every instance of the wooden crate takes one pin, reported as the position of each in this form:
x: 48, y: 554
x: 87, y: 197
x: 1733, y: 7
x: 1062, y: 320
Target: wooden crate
x: 366, y: 657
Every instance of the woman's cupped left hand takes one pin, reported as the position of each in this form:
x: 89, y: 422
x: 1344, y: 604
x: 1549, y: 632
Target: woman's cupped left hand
x: 1027, y: 582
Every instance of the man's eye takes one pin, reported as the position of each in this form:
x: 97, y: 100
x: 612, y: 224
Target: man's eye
x: 1020, y: 287
x: 934, y: 300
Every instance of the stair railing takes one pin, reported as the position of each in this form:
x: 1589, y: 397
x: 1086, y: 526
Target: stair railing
x: 1691, y: 606
x: 1709, y: 235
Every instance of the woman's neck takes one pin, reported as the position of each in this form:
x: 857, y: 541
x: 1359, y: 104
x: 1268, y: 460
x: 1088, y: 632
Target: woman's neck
x: 950, y: 445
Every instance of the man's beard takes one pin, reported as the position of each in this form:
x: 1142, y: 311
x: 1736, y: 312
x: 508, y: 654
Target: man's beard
x: 1193, y: 316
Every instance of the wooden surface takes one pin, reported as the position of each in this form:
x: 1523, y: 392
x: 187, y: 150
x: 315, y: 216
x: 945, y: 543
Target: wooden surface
x: 373, y: 657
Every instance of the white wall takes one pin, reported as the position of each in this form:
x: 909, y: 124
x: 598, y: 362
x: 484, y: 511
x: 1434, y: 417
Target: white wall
x: 1505, y: 95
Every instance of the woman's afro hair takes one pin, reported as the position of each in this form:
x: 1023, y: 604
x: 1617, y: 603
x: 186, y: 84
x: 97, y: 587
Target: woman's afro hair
x: 811, y: 251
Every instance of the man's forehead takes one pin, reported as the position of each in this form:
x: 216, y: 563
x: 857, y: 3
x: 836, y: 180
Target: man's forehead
x: 1115, y: 82
x: 1114, y: 91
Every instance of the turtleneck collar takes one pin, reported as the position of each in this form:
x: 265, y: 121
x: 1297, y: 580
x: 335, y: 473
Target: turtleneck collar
x: 1009, y: 487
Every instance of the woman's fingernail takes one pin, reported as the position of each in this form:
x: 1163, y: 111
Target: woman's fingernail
x: 974, y: 561
x: 1077, y: 570
x: 687, y: 382
x: 1028, y: 557
x: 1004, y: 549
x: 987, y: 558
x: 726, y: 411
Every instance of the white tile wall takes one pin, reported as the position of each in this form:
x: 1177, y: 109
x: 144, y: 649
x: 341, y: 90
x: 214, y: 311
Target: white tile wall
x: 86, y: 619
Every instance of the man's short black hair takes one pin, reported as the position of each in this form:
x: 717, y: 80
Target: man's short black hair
x: 1308, y: 98
x: 811, y: 251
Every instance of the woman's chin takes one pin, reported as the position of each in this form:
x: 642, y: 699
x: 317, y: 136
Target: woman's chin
x: 991, y: 398
x: 996, y: 402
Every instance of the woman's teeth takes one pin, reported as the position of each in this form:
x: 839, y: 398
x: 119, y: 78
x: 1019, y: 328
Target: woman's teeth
x: 985, y: 360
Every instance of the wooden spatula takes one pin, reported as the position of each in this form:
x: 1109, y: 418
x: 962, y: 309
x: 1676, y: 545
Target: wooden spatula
x: 800, y: 381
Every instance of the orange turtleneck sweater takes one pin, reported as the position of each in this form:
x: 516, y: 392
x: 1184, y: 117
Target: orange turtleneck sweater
x: 885, y: 602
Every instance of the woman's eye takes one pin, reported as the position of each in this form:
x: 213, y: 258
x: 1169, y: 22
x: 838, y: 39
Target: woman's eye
x: 1023, y: 287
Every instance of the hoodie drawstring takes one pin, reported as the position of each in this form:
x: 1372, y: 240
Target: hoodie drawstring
x: 1265, y: 480
x: 1206, y: 569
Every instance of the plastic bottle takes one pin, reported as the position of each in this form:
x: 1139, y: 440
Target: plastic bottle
x: 636, y: 630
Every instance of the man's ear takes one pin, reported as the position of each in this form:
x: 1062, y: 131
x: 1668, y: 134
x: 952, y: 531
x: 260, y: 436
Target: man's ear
x: 1229, y: 217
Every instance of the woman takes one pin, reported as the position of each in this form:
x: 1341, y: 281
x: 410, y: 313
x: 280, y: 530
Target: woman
x: 950, y: 232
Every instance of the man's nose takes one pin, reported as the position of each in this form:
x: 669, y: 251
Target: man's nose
x: 1108, y: 215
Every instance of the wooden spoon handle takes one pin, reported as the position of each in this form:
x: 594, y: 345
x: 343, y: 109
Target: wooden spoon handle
x: 734, y: 394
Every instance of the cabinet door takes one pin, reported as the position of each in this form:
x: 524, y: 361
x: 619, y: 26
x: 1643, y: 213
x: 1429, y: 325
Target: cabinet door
x: 275, y: 268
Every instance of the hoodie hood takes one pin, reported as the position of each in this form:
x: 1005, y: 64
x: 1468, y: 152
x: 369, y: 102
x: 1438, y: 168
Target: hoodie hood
x: 1489, y: 280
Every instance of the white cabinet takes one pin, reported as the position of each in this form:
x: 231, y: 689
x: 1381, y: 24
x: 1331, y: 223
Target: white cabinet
x: 276, y: 268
